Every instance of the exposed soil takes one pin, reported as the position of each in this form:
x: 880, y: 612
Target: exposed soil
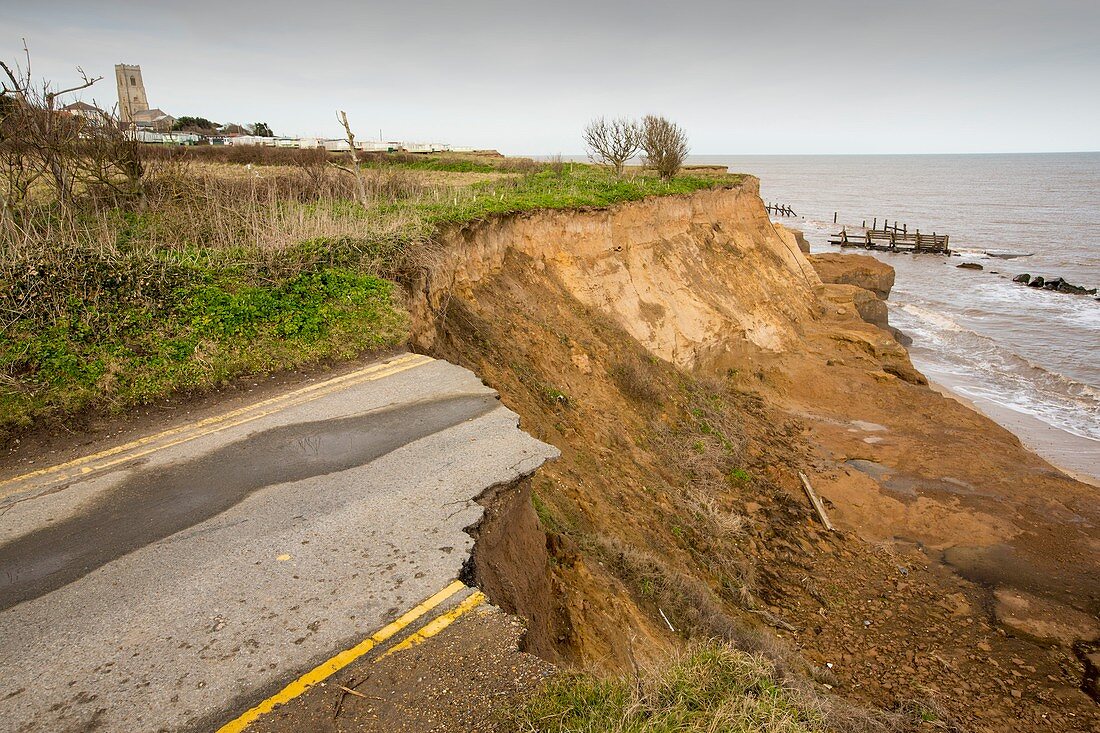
x: 676, y: 503
x: 964, y: 582
x: 466, y: 678
x: 511, y: 564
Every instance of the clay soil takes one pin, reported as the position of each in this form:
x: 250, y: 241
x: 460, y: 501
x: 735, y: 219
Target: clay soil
x: 961, y: 587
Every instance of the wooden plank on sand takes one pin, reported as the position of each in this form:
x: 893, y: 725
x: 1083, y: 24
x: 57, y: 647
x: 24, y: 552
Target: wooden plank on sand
x: 819, y: 507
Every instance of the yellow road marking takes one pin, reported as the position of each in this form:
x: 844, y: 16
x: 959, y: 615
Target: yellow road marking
x: 436, y: 625
x: 217, y: 423
x: 326, y: 669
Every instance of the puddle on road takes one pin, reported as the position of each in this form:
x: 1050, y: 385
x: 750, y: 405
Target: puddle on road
x: 155, y: 503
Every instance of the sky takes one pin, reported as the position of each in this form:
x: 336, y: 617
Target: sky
x: 742, y: 78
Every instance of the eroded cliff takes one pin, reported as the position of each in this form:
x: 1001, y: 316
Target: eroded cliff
x: 687, y: 360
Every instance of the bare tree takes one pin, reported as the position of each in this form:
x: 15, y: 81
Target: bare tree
x: 353, y: 168
x: 36, y: 139
x: 665, y: 145
x: 612, y: 142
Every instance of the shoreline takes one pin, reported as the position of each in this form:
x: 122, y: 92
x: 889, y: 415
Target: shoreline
x: 1076, y: 456
x: 1064, y: 451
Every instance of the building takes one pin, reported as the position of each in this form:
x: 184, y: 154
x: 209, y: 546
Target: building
x: 131, y: 92
x: 152, y: 119
x: 88, y: 113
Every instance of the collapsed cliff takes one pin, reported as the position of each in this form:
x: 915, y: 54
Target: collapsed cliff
x: 688, y: 361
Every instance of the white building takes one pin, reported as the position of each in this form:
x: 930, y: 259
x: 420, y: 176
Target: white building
x: 89, y: 113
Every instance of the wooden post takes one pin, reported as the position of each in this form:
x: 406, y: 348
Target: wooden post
x: 834, y: 217
x: 816, y: 503
x: 874, y: 224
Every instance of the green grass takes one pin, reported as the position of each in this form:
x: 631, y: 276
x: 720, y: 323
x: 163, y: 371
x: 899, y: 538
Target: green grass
x: 714, y: 687
x: 212, y: 328
x: 448, y: 164
x: 580, y: 186
x: 211, y: 278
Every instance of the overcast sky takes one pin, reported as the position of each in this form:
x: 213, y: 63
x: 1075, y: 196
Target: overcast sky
x: 873, y: 76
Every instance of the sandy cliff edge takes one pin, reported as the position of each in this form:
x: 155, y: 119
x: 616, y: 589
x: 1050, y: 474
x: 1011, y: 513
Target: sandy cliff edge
x: 707, y: 284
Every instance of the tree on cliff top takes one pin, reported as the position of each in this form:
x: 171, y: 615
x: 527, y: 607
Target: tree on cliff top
x: 665, y: 145
x: 612, y: 142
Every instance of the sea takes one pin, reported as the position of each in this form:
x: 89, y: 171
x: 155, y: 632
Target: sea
x: 1028, y: 358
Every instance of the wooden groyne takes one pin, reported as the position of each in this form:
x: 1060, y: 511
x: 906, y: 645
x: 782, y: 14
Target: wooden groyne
x: 893, y: 238
x: 777, y: 210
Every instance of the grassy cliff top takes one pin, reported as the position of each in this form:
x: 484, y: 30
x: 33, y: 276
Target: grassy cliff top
x: 217, y: 265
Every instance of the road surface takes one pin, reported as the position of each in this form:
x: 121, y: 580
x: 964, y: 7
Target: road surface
x: 174, y: 582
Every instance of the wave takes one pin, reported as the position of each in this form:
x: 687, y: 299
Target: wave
x: 940, y: 320
x: 988, y: 370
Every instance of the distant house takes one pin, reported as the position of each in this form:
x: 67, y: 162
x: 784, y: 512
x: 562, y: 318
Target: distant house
x: 92, y: 114
x: 152, y: 119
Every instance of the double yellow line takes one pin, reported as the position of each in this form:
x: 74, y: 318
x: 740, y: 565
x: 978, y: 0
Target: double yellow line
x: 190, y: 431
x: 330, y: 667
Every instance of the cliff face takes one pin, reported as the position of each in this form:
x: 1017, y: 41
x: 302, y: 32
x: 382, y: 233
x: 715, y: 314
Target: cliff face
x: 863, y: 271
x: 685, y: 276
x: 688, y: 362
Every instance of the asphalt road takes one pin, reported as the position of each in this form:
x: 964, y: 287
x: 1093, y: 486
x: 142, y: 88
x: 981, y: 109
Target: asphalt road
x: 173, y: 582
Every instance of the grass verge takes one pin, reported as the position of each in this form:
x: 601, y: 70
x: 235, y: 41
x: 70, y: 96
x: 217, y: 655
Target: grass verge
x: 210, y: 271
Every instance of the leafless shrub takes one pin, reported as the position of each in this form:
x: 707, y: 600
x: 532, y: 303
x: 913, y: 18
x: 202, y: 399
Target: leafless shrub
x: 35, y: 132
x: 638, y: 381
x: 555, y: 165
x: 515, y: 165
x: 665, y: 145
x: 352, y: 168
x: 612, y: 142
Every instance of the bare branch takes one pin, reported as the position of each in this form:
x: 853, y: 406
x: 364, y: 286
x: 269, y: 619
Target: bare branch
x: 353, y: 160
x: 21, y: 81
x: 612, y: 142
x: 86, y: 82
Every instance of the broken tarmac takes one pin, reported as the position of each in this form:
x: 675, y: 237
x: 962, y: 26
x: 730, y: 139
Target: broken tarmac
x: 188, y: 578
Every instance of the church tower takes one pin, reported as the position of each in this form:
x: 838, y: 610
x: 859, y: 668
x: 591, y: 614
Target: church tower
x: 131, y: 92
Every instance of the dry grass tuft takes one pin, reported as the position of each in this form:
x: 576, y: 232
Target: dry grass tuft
x: 712, y: 687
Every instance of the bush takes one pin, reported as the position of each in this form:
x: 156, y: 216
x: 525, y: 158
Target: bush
x: 665, y: 145
x: 612, y: 142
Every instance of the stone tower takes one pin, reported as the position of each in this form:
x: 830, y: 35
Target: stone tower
x: 131, y: 92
